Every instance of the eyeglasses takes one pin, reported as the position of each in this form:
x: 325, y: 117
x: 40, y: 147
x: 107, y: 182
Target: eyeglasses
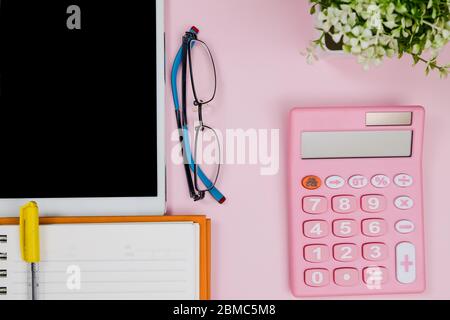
x: 196, y: 59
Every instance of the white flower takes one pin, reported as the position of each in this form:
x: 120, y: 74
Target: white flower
x: 310, y: 53
x: 446, y: 34
x: 328, y: 18
x: 390, y: 24
x: 374, y: 16
x: 356, y: 31
x: 380, y: 51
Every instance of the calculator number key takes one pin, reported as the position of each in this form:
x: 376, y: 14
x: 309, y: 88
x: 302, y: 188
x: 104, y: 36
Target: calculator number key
x: 317, y: 253
x: 374, y: 227
x: 317, y: 277
x: 375, y: 251
x: 345, y: 252
x: 344, y: 204
x: 345, y: 228
x: 315, y: 229
x: 315, y: 205
x: 373, y: 203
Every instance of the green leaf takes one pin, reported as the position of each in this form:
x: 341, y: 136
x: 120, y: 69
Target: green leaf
x: 312, y: 10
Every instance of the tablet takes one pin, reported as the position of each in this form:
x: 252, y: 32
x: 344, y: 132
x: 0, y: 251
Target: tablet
x: 82, y: 106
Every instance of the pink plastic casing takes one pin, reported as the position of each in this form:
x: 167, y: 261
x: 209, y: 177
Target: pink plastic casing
x: 354, y: 119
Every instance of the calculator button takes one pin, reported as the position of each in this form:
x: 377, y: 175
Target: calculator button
x: 374, y: 277
x: 403, y: 180
x: 346, y: 277
x: 311, y: 182
x: 347, y: 252
x: 373, y: 203
x: 315, y: 229
x: 317, y: 277
x: 317, y: 253
x: 406, y: 262
x: 315, y: 205
x: 405, y: 227
x: 380, y: 181
x: 404, y: 203
x: 374, y: 227
x: 335, y: 182
x: 375, y: 251
x: 358, y: 182
x: 345, y: 228
x: 344, y: 204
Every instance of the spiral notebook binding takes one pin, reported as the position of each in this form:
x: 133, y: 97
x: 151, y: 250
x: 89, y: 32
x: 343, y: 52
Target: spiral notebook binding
x: 3, y: 257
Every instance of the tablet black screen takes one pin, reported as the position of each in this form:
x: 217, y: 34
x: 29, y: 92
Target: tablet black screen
x: 78, y: 106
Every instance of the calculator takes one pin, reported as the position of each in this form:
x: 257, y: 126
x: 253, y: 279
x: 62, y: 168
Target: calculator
x: 355, y: 201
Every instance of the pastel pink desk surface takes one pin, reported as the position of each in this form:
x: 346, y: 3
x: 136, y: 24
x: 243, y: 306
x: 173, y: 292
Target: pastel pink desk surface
x: 262, y: 75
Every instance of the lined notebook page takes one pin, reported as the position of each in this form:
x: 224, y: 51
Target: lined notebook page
x: 106, y: 261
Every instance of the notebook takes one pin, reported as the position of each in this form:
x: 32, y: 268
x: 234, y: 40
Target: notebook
x: 110, y: 258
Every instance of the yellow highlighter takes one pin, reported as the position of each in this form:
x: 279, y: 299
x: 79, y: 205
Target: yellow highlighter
x: 30, y: 243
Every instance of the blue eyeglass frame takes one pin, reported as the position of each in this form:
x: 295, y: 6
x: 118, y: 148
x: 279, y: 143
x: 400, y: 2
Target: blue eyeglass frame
x: 183, y: 128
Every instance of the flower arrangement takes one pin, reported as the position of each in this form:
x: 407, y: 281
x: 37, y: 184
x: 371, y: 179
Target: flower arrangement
x: 375, y: 29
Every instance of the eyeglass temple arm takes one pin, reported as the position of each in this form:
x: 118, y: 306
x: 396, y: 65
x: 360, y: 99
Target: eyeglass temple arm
x: 182, y: 120
x: 175, y: 68
x: 215, y: 193
x: 184, y: 136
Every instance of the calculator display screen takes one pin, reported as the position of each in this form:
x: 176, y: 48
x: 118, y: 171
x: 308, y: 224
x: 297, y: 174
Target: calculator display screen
x: 356, y: 144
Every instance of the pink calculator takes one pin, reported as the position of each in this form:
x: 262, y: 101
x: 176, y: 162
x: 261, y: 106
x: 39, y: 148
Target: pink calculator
x: 355, y: 201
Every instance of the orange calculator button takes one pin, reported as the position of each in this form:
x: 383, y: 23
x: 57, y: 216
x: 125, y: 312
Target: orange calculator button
x: 311, y: 182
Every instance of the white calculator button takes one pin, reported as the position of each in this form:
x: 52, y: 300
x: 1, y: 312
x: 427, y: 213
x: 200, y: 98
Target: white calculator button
x: 335, y: 182
x: 405, y: 226
x: 381, y: 181
x: 404, y: 203
x: 406, y: 262
x: 403, y: 180
x: 358, y: 182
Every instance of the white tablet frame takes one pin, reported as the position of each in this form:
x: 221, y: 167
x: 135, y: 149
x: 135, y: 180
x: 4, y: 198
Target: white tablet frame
x: 115, y: 206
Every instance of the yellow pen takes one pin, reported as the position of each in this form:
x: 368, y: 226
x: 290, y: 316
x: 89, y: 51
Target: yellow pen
x: 30, y: 243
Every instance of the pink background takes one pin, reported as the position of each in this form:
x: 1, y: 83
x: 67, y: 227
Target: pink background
x: 262, y: 75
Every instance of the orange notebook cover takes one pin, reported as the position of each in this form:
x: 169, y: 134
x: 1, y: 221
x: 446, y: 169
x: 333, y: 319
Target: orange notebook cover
x: 202, y: 221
